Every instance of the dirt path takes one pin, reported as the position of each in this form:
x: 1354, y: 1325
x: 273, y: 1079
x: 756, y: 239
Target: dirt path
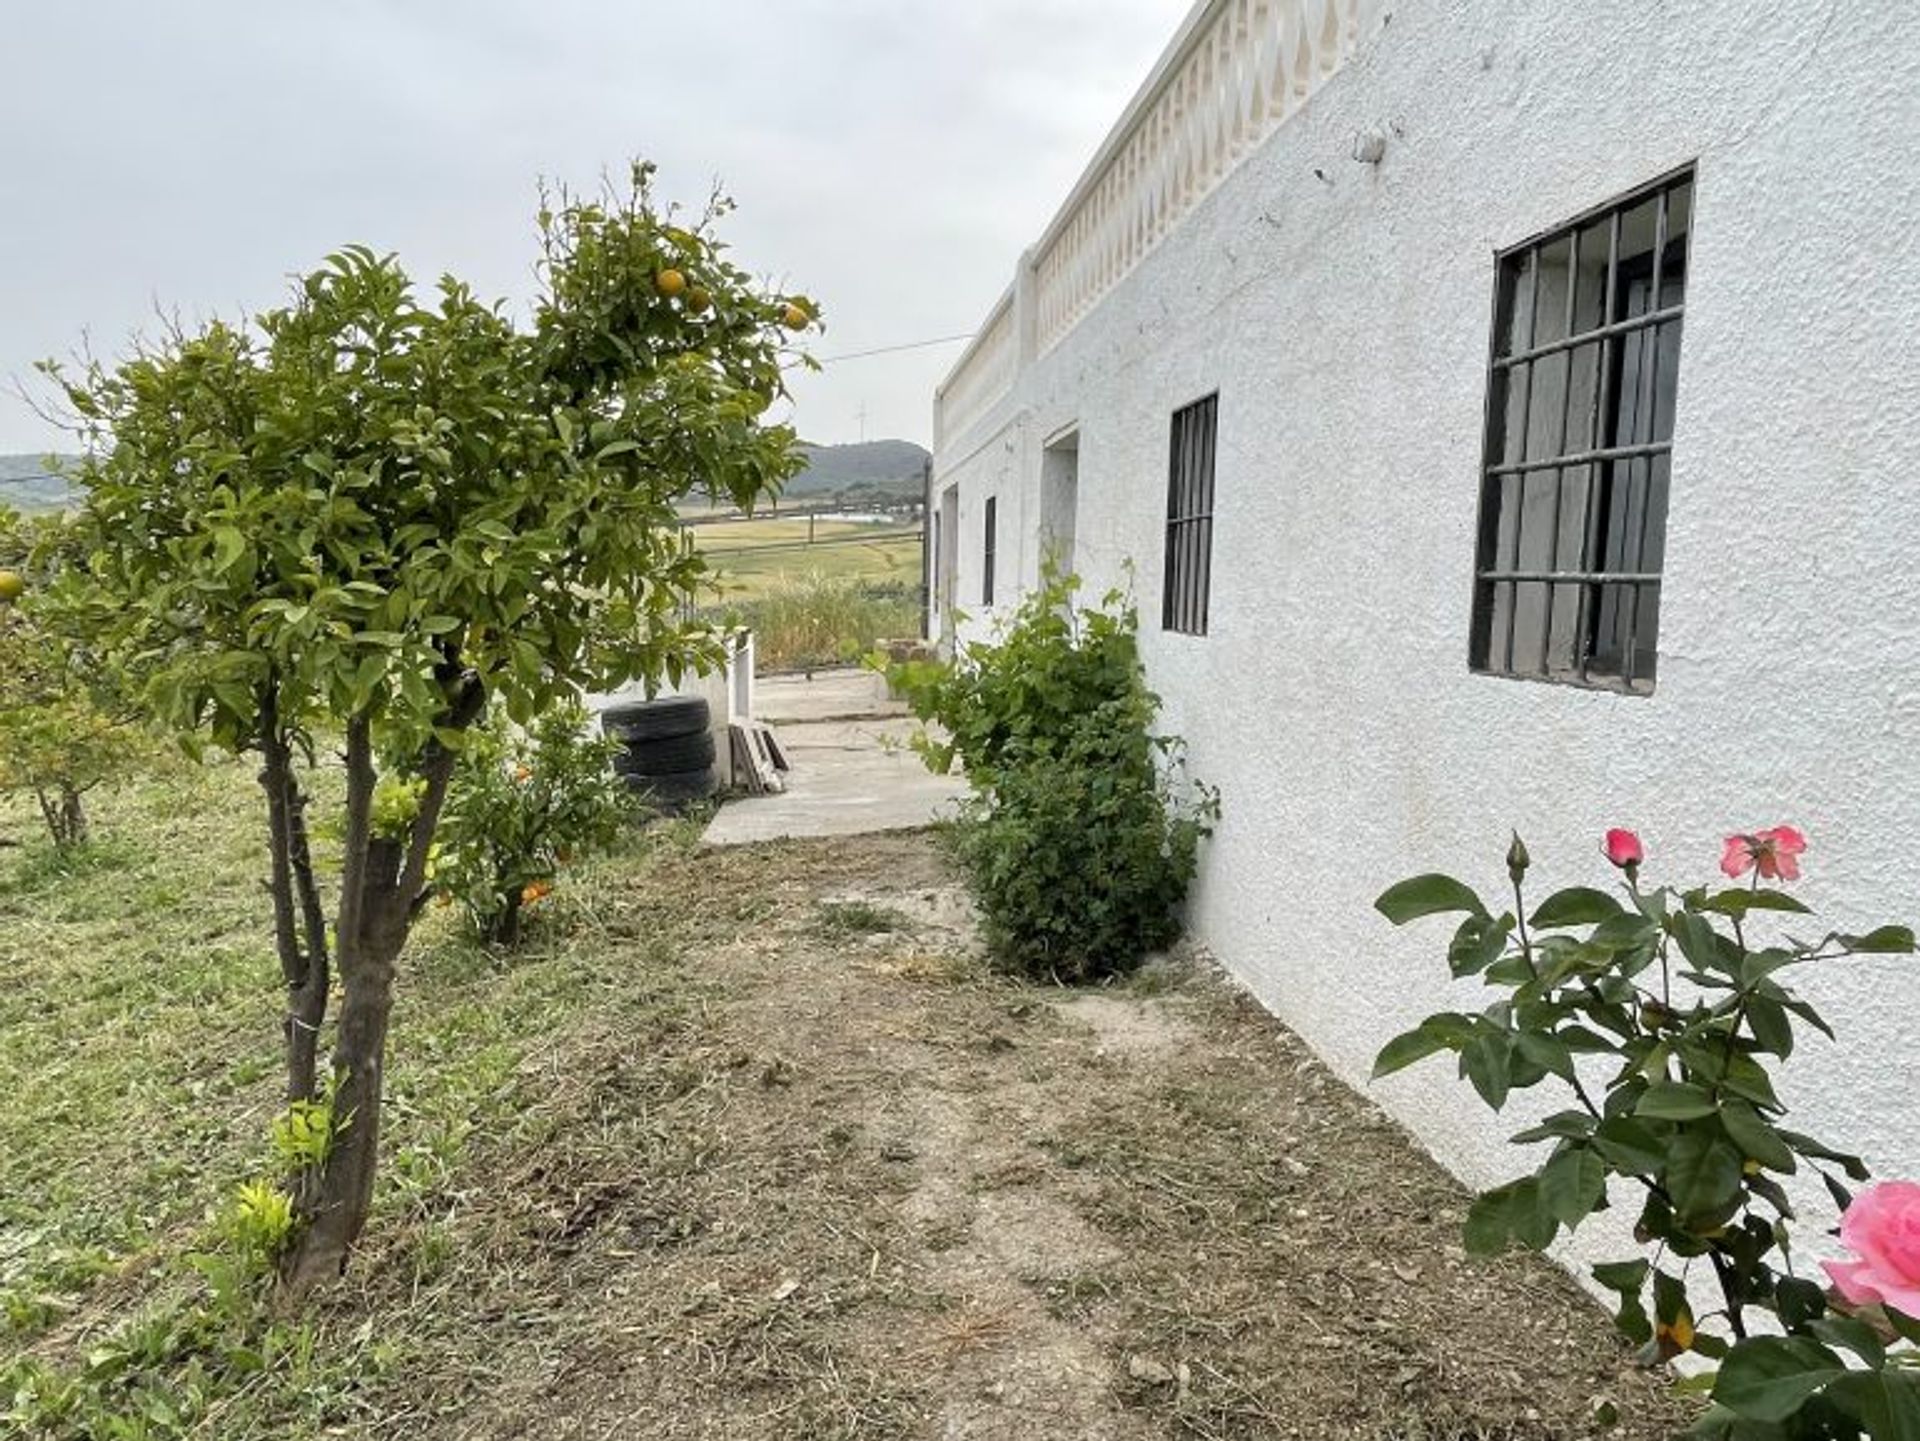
x: 846, y: 1184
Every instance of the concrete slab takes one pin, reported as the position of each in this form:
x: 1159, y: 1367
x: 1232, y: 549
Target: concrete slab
x: 849, y: 777
x: 825, y: 695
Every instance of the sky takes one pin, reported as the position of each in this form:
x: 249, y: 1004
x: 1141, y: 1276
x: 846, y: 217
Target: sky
x: 890, y: 157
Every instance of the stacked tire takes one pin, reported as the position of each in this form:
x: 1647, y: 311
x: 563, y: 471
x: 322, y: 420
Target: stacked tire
x: 667, y: 752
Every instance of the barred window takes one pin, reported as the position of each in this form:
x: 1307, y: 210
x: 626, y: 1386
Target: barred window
x: 1573, y: 499
x: 1189, y: 568
x: 987, y: 549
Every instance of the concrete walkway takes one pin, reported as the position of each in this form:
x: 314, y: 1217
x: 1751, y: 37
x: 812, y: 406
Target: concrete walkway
x: 852, y: 771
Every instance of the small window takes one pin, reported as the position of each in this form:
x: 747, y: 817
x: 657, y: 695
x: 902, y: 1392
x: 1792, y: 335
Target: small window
x: 1579, y: 430
x: 1189, y: 568
x: 986, y: 556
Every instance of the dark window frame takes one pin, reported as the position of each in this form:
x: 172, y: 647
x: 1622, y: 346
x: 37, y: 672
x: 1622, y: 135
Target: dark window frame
x: 1615, y: 589
x: 1193, y: 437
x: 990, y: 545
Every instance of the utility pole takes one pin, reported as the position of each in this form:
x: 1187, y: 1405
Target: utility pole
x: 863, y: 422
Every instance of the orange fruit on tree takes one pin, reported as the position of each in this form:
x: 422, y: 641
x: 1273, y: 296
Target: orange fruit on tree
x: 13, y: 585
x: 669, y: 283
x: 796, y: 317
x: 698, y: 299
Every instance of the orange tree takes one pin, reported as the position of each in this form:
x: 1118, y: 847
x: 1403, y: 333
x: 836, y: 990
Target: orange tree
x: 63, y: 718
x: 370, y: 517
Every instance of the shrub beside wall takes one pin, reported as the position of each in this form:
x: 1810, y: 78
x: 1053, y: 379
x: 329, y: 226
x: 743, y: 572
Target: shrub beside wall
x: 1082, y: 832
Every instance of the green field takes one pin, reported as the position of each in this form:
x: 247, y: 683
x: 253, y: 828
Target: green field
x: 752, y: 557
x: 819, y: 604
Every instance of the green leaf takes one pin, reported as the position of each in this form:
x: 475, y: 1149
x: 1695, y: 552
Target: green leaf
x: 1675, y: 1101
x: 1798, y: 1301
x: 1478, y: 944
x: 1886, y: 1403
x: 1753, y: 1134
x: 1508, y: 1213
x: 1703, y: 1177
x: 1445, y: 1032
x: 1769, y: 1378
x: 1855, y: 1168
x: 1548, y: 1052
x: 1669, y: 1298
x: 1488, y: 1063
x: 1808, y: 1014
x: 1738, y: 902
x: 1561, y: 1126
x: 1856, y: 1336
x: 1622, y: 1275
x: 1768, y: 1020
x: 1907, y: 1326
x: 1572, y: 1185
x: 1630, y: 1146
x: 1886, y: 940
x: 1576, y: 906
x: 1426, y: 896
x: 228, y: 546
x: 1699, y: 942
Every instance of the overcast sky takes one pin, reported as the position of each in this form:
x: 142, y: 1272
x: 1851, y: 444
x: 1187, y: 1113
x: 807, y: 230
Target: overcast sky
x: 891, y: 157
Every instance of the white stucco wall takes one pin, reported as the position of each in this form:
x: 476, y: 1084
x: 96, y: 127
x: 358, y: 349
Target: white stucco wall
x: 1344, y: 322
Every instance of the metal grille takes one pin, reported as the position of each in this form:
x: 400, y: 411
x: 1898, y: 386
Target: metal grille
x: 1579, y: 430
x: 1189, y: 567
x: 986, y: 558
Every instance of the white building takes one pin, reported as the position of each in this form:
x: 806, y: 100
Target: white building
x: 1258, y: 355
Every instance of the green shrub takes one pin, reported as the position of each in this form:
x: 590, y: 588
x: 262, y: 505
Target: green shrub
x: 1082, y: 833
x: 522, y: 805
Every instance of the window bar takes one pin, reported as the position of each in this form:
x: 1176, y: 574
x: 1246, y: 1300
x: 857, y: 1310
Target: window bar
x: 1193, y: 509
x: 1560, y: 477
x: 1616, y: 327
x: 1609, y: 357
x: 1650, y: 399
x: 1520, y: 482
x: 1204, y: 578
x: 1583, y: 457
x: 1183, y: 597
x: 1169, y: 582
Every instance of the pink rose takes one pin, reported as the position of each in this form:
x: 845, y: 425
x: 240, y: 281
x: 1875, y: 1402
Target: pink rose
x: 1882, y: 1227
x: 1624, y: 849
x: 1774, y: 851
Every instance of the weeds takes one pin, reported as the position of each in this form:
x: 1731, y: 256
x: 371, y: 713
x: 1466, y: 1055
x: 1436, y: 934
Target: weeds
x: 813, y: 621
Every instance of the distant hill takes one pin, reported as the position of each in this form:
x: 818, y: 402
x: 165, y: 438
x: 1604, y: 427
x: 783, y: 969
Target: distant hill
x: 876, y: 469
x: 27, y: 485
x: 873, y: 471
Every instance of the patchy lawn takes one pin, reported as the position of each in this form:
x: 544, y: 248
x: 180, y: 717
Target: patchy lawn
x: 743, y: 1144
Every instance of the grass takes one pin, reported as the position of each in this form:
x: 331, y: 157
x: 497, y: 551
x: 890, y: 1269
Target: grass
x: 744, y: 1143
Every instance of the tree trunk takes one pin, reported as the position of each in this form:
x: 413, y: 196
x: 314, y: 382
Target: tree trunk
x: 73, y: 816
x: 381, y: 884
x: 504, y: 929
x: 302, y: 970
x: 341, y: 1195
x: 65, y: 815
x: 307, y: 1002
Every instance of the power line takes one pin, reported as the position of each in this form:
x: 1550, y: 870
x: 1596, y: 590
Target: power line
x: 891, y: 349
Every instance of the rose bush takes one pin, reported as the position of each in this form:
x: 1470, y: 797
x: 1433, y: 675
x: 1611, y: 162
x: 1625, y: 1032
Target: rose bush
x: 1661, y: 1012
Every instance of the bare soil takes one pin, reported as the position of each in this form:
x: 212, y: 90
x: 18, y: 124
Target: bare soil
x: 827, y: 1176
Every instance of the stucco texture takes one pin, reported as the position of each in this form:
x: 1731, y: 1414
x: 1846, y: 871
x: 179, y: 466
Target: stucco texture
x: 1341, y: 310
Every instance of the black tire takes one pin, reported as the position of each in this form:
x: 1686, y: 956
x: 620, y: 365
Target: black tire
x: 670, y: 715
x: 670, y: 792
x: 668, y: 755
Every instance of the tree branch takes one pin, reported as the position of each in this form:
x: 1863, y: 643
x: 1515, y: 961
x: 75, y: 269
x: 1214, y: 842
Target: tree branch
x: 359, y: 836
